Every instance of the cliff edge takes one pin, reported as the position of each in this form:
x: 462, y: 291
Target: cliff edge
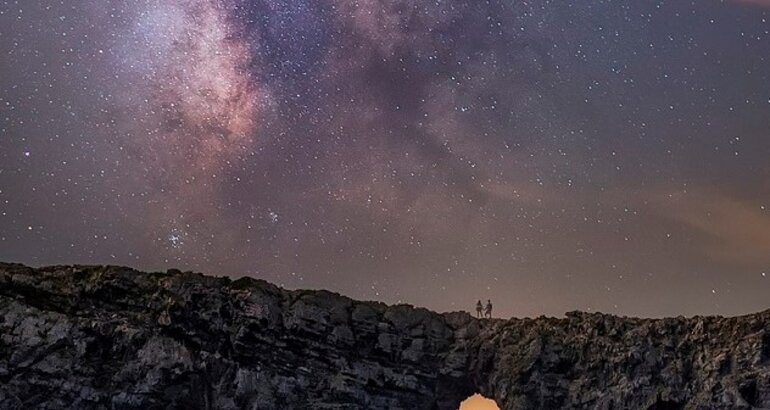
x: 96, y: 337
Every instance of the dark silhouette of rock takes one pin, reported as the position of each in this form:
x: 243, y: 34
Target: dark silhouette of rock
x: 92, y: 337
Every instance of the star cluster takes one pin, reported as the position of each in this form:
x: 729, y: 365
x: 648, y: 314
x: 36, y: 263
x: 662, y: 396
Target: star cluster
x: 550, y: 156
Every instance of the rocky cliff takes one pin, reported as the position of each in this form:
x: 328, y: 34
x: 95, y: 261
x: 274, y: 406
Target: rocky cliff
x: 94, y: 337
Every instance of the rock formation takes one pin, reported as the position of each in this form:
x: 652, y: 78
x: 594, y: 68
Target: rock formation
x: 92, y: 337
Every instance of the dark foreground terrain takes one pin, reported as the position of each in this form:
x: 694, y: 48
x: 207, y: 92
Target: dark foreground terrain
x: 91, y: 337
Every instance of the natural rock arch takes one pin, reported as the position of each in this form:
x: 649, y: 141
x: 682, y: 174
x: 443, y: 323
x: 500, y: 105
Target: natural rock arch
x: 95, y: 337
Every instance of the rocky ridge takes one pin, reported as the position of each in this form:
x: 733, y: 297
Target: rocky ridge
x: 95, y: 337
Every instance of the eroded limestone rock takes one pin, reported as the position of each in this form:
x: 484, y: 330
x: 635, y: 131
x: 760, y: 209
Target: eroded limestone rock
x: 109, y: 337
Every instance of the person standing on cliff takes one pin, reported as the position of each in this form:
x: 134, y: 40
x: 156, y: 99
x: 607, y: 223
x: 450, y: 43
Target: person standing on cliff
x: 488, y: 311
x: 479, y: 308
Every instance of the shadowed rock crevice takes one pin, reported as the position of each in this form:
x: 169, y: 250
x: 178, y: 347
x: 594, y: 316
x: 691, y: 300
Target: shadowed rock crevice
x: 111, y: 337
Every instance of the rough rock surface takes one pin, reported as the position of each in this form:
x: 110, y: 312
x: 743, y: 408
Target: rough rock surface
x: 93, y: 337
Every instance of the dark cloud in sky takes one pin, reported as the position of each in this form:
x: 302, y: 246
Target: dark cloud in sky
x: 599, y: 156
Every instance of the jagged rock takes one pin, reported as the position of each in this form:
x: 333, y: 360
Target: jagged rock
x: 93, y: 337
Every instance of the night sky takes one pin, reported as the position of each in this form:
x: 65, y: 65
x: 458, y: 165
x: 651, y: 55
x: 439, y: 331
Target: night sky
x: 551, y: 156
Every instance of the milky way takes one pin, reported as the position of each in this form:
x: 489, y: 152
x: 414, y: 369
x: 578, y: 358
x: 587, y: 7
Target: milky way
x: 608, y: 156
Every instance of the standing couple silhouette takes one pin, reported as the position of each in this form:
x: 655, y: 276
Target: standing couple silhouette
x: 486, y: 311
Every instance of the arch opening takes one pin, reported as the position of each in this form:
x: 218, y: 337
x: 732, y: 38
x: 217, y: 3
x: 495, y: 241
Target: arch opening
x: 478, y: 402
